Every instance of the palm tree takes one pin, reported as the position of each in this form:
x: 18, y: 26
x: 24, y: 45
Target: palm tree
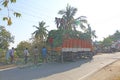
x: 82, y: 21
x: 68, y: 19
x: 90, y: 32
x: 41, y: 32
x: 60, y: 23
x: 68, y: 16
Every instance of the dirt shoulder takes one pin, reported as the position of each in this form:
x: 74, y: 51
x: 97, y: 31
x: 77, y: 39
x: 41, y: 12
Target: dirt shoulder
x: 7, y: 66
x: 109, y: 72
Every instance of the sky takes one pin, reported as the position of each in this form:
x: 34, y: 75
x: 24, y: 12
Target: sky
x: 102, y: 15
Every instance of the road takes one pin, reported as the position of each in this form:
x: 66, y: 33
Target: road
x: 60, y: 71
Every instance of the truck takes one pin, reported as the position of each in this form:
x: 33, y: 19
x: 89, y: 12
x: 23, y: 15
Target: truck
x: 115, y: 47
x: 71, y: 48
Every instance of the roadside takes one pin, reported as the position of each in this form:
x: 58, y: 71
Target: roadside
x: 78, y: 70
x: 109, y: 72
x: 6, y: 66
x: 11, y: 66
x: 86, y: 69
x: 21, y: 65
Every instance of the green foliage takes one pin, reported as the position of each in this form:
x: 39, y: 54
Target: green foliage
x: 1, y: 52
x: 112, y: 38
x: 17, y: 14
x: 2, y: 55
x: 8, y: 19
x: 5, y: 18
x: 115, y: 36
x: 5, y: 3
x: 90, y: 32
x: 5, y: 38
x: 68, y: 21
x: 9, y: 22
x: 59, y: 35
x: 67, y: 24
x: 21, y: 46
x: 13, y: 1
x: 107, y: 42
x: 41, y: 32
x: 68, y: 17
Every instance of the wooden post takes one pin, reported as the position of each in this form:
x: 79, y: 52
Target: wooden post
x: 62, y: 57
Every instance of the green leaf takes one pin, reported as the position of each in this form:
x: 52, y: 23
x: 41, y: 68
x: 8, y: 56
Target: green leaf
x: 5, y: 3
x: 13, y: 1
x: 17, y: 14
x: 77, y: 22
x: 5, y: 18
x: 9, y: 21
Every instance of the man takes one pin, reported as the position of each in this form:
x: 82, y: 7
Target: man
x: 36, y: 54
x: 11, y: 53
x: 44, y: 54
x: 26, y: 54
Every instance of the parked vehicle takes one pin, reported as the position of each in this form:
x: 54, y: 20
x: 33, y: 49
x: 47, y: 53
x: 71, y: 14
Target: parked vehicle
x: 70, y: 45
x: 73, y: 49
x: 77, y: 48
x: 115, y: 47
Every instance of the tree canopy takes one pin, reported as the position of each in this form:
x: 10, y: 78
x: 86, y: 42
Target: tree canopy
x: 108, y: 41
x: 21, y: 46
x: 5, y: 38
x: 66, y: 27
x: 68, y: 21
x: 41, y: 32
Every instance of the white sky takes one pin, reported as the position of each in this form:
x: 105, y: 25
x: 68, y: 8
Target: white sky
x: 102, y: 15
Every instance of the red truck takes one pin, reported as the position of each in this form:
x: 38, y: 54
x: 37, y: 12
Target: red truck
x: 73, y: 49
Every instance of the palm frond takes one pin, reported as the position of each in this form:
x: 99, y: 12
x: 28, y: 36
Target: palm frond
x: 73, y: 11
x: 82, y: 27
x: 61, y: 12
x: 36, y: 27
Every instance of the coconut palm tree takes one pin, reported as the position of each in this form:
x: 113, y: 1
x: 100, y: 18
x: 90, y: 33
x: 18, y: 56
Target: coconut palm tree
x: 68, y: 21
x: 90, y: 32
x: 41, y: 32
x: 60, y: 23
x: 82, y: 22
x: 68, y: 16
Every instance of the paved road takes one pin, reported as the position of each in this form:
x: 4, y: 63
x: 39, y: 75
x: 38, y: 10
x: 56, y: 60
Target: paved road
x: 60, y: 71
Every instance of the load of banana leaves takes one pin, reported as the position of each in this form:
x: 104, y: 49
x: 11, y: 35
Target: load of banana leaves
x: 59, y: 35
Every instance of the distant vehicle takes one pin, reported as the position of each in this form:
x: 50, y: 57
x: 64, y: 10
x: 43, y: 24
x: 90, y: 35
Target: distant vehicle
x: 115, y: 46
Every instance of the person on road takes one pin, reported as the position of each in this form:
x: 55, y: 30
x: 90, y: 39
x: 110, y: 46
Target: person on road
x: 44, y: 54
x: 11, y: 53
x: 36, y: 54
x: 26, y: 54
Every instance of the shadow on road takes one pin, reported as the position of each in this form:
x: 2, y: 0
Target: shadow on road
x: 41, y: 71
